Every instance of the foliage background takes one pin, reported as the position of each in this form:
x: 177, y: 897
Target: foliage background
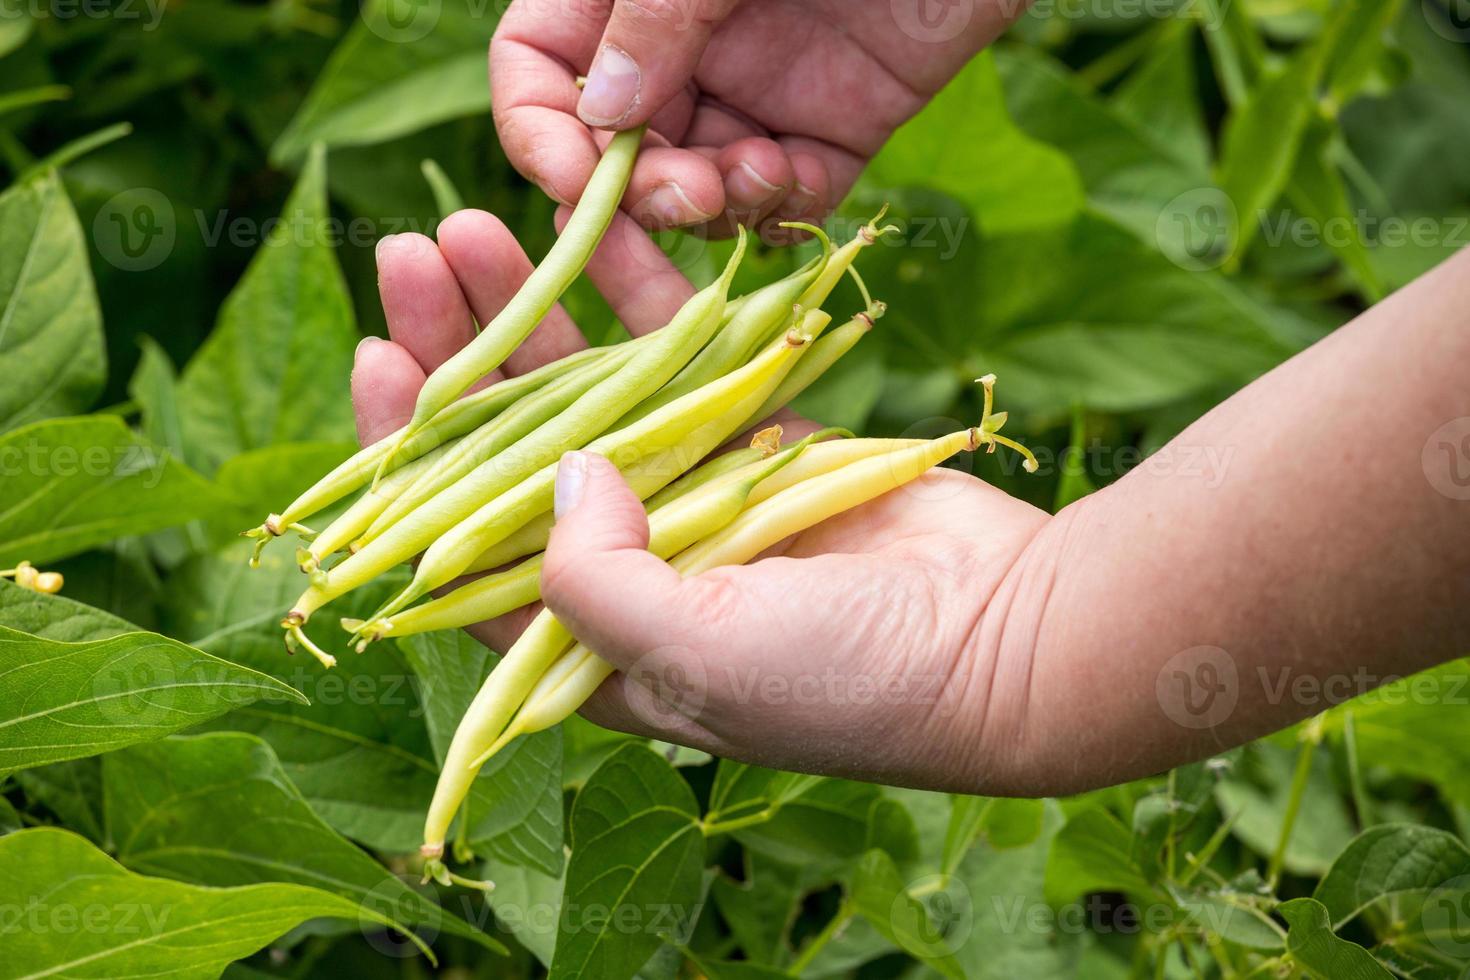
x: 1121, y: 211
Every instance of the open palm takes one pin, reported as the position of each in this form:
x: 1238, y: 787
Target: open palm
x: 765, y: 110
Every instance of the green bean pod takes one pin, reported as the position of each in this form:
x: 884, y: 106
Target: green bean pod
x: 512, y: 425
x: 656, y: 362
x: 695, y: 424
x: 672, y: 530
x: 339, y: 534
x: 563, y: 263
x: 826, y: 352
x: 461, y: 418
x: 766, y: 311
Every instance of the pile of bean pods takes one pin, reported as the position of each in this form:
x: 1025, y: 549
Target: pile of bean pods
x: 466, y: 486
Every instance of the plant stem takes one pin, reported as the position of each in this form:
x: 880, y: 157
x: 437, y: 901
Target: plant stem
x: 1310, y: 736
x: 831, y: 929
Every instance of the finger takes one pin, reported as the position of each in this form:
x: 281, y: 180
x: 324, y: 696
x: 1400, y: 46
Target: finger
x: 546, y: 142
x: 491, y: 267
x: 808, y: 200
x: 758, y: 176
x: 386, y: 380
x: 426, y: 312
x: 647, y: 56
x: 636, y: 278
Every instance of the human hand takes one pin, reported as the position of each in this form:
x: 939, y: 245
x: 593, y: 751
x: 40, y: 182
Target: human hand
x: 763, y: 110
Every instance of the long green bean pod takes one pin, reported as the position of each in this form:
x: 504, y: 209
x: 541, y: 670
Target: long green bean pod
x: 839, y: 264
x: 677, y: 525
x: 656, y: 361
x: 826, y: 352
x: 461, y: 418
x: 695, y: 423
x: 562, y: 264
x: 339, y: 534
x: 493, y: 438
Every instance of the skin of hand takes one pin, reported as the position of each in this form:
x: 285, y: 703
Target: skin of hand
x: 760, y: 110
x: 948, y: 636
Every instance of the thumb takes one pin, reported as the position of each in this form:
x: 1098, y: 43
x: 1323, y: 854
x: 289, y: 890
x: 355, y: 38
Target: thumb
x: 598, y: 576
x: 648, y: 54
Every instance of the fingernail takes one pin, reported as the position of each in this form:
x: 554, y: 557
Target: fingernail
x: 612, y: 88
x: 364, y: 344
x: 798, y: 202
x: 571, y: 480
x: 667, y: 206
x: 747, y: 188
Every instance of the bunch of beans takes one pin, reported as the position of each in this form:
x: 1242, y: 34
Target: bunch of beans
x: 466, y: 486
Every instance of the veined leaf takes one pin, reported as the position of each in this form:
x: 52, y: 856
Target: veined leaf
x: 51, y: 351
x: 1320, y: 951
x: 55, y: 617
x: 637, y: 851
x: 146, y: 926
x: 1092, y: 852
x: 1388, y: 859
x: 276, y: 367
x: 63, y: 700
x: 70, y: 484
x: 880, y: 896
x: 219, y: 810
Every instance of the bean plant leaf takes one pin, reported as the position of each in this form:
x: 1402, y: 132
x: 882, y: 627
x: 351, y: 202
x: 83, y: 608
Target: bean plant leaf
x: 71, y: 484
x: 637, y: 852
x: 880, y: 896
x: 965, y: 144
x: 1093, y: 852
x: 407, y: 65
x: 51, y: 350
x: 62, y: 700
x: 219, y: 810
x: 139, y: 926
x: 55, y: 617
x: 1388, y: 859
x: 1320, y: 951
x: 276, y: 367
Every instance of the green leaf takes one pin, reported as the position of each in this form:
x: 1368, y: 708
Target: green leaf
x: 880, y: 896
x: 447, y: 197
x: 407, y: 65
x: 1093, y: 852
x: 276, y: 367
x: 637, y: 852
x: 138, y: 926
x: 154, y: 387
x: 1386, y: 860
x: 72, y: 484
x: 1256, y: 794
x: 1321, y: 952
x: 1074, y: 482
x: 68, y: 700
x: 55, y: 617
x: 965, y: 144
x: 10, y: 821
x: 13, y: 33
x: 219, y: 810
x: 73, y: 791
x: 1232, y: 917
x: 51, y: 350
x: 761, y: 907
x: 1161, y: 99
